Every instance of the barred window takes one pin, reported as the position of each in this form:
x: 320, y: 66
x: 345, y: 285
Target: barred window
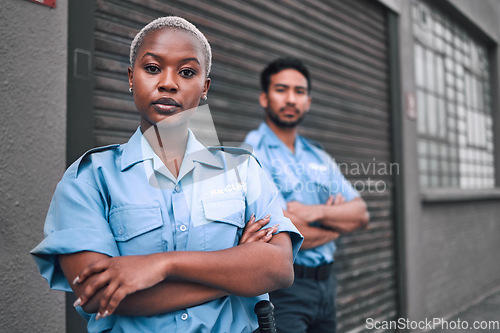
x: 455, y: 123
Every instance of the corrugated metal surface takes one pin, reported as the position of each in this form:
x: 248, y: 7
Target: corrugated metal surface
x: 345, y: 45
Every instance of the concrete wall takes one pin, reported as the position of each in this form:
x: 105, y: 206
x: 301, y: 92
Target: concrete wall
x: 460, y: 246
x: 450, y: 249
x: 32, y: 156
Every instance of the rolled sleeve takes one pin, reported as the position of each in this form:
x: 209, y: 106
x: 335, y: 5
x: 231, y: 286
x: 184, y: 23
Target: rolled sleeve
x: 76, y: 221
x: 263, y: 198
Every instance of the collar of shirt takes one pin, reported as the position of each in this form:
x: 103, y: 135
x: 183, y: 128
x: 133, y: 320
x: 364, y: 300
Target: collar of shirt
x: 138, y: 150
x: 269, y: 138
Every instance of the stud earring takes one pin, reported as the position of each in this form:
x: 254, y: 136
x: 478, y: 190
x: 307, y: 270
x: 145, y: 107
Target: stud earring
x: 131, y: 90
x: 204, y: 97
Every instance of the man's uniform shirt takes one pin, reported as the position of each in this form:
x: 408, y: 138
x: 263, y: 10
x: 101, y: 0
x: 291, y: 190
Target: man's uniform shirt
x: 310, y: 176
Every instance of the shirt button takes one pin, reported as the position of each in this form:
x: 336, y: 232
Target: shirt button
x: 121, y: 231
x: 176, y: 188
x: 183, y: 228
x: 184, y: 316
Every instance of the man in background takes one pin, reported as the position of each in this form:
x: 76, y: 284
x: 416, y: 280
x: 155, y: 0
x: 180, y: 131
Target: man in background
x: 314, y: 195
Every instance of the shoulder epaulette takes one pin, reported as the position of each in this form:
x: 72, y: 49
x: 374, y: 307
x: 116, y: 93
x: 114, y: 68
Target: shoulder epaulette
x: 315, y: 143
x: 231, y: 150
x: 94, y: 150
x: 254, y: 138
x: 98, y: 149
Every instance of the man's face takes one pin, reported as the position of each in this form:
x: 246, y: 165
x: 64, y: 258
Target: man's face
x: 287, y: 99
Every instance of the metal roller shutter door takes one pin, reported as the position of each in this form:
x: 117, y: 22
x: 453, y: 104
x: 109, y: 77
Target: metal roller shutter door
x: 345, y: 45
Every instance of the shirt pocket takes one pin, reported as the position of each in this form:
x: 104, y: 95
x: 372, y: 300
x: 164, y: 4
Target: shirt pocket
x: 137, y: 229
x: 286, y: 184
x: 225, y: 220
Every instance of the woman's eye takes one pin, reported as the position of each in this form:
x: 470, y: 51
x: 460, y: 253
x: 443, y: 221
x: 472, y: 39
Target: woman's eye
x: 187, y: 72
x: 152, y: 69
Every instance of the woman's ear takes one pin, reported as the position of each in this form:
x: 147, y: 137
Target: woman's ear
x: 263, y: 100
x: 206, y: 86
x: 130, y: 77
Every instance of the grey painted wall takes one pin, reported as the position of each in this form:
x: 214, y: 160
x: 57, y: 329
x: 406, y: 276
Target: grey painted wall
x: 410, y: 260
x: 32, y: 156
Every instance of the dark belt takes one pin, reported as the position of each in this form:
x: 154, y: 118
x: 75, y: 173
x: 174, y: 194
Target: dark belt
x: 318, y: 273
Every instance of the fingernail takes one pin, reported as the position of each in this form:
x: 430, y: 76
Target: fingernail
x: 98, y: 316
x: 267, y: 216
x: 269, y: 232
x: 105, y: 314
x: 252, y: 217
x: 276, y: 227
x: 76, y: 280
x: 77, y: 302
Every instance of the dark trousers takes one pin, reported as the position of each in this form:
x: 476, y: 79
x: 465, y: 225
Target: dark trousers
x: 308, y: 306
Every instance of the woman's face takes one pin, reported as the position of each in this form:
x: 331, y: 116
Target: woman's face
x: 168, y: 75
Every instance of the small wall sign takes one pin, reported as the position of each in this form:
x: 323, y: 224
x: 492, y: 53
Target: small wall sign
x: 411, y: 106
x: 49, y: 3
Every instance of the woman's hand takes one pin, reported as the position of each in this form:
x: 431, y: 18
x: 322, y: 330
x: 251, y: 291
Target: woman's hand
x: 253, y: 231
x: 118, y: 277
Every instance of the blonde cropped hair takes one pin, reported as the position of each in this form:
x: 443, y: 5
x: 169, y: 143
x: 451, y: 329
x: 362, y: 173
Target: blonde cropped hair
x: 173, y: 22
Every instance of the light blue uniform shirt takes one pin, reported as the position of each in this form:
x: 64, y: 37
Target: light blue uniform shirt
x: 122, y: 200
x: 309, y: 176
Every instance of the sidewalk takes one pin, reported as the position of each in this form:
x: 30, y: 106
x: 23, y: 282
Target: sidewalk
x: 486, y: 311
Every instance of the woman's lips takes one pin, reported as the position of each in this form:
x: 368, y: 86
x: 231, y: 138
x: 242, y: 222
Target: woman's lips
x: 166, y: 105
x: 164, y: 108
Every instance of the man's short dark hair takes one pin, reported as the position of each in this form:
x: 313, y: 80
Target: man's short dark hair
x: 280, y: 64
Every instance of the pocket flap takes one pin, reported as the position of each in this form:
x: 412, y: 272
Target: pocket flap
x: 131, y: 221
x: 230, y: 211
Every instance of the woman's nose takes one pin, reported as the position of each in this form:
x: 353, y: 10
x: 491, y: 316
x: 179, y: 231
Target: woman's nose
x: 168, y: 82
